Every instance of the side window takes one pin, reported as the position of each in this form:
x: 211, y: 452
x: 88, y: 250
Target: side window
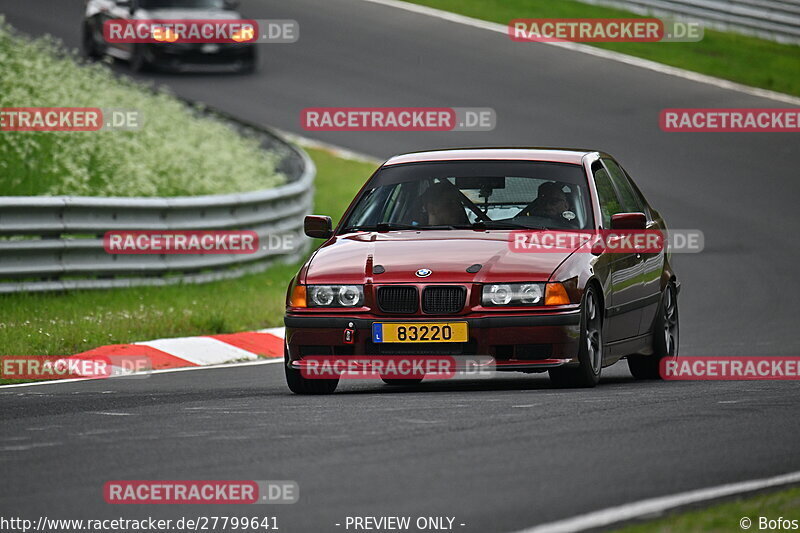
x: 630, y: 201
x: 637, y: 193
x: 609, y: 203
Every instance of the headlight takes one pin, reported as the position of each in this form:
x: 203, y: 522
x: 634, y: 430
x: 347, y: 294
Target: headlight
x: 513, y: 294
x: 497, y: 294
x: 335, y: 295
x: 530, y: 294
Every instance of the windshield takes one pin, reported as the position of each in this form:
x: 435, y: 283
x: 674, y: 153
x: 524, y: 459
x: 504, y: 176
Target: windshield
x: 167, y: 4
x: 474, y: 194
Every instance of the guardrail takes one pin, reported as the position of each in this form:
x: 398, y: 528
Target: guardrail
x: 777, y: 20
x: 56, y: 243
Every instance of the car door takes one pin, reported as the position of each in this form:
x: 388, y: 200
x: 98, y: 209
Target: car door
x: 652, y: 261
x: 623, y: 316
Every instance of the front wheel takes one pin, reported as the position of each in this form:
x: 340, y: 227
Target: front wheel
x: 89, y: 45
x: 301, y: 385
x: 249, y: 64
x: 590, y: 351
x: 138, y: 60
x: 665, y: 338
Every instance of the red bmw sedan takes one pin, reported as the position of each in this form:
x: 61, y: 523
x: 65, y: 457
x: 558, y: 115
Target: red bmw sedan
x: 434, y: 258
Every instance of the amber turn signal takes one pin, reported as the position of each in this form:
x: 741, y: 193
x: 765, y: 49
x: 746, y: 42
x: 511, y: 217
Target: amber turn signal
x: 556, y: 294
x: 298, y: 298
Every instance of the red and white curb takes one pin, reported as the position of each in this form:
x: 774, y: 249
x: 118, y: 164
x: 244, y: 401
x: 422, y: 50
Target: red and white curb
x: 200, y: 351
x: 203, y: 351
x: 265, y: 345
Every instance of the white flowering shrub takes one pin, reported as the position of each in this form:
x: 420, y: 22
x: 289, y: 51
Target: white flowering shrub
x: 175, y: 152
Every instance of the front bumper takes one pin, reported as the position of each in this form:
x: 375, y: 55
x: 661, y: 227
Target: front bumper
x: 525, y: 343
x: 178, y: 56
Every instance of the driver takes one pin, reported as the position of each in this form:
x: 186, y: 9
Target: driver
x: 443, y: 205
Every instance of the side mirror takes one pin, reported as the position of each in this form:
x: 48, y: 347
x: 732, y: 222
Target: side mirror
x: 318, y: 227
x: 631, y: 221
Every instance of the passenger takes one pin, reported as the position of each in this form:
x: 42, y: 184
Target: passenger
x: 551, y: 202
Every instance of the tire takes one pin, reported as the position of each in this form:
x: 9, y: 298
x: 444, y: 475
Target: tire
x: 590, y: 351
x: 249, y: 65
x: 138, y: 61
x: 300, y: 385
x: 89, y: 46
x: 400, y: 382
x: 666, y: 337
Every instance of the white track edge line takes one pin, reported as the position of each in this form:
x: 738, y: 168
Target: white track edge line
x: 335, y: 150
x: 652, y: 506
x: 598, y: 52
x: 135, y: 374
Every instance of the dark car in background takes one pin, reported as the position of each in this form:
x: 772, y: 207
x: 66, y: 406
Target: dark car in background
x: 424, y: 247
x: 174, y: 56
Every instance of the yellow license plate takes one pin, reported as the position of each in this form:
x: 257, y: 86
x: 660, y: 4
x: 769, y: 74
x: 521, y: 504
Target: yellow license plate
x: 420, y: 332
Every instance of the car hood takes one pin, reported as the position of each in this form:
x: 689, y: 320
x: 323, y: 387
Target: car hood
x: 187, y: 14
x: 448, y: 254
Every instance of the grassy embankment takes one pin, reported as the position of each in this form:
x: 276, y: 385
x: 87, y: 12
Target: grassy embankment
x: 176, y: 153
x: 731, y: 56
x: 725, y: 517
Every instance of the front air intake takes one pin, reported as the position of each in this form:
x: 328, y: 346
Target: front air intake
x: 398, y: 300
x: 443, y: 300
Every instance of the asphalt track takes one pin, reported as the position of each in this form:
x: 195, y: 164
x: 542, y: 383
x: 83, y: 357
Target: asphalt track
x: 498, y: 455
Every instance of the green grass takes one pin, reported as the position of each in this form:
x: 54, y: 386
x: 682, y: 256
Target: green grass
x: 725, y: 517
x: 176, y: 152
x: 73, y: 322
x: 739, y: 58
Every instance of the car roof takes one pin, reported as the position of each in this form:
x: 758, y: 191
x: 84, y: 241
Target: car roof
x: 558, y: 155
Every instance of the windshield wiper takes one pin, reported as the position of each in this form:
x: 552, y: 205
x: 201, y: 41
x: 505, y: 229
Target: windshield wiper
x: 382, y: 226
x: 499, y: 224
x: 388, y: 226
x: 478, y: 225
